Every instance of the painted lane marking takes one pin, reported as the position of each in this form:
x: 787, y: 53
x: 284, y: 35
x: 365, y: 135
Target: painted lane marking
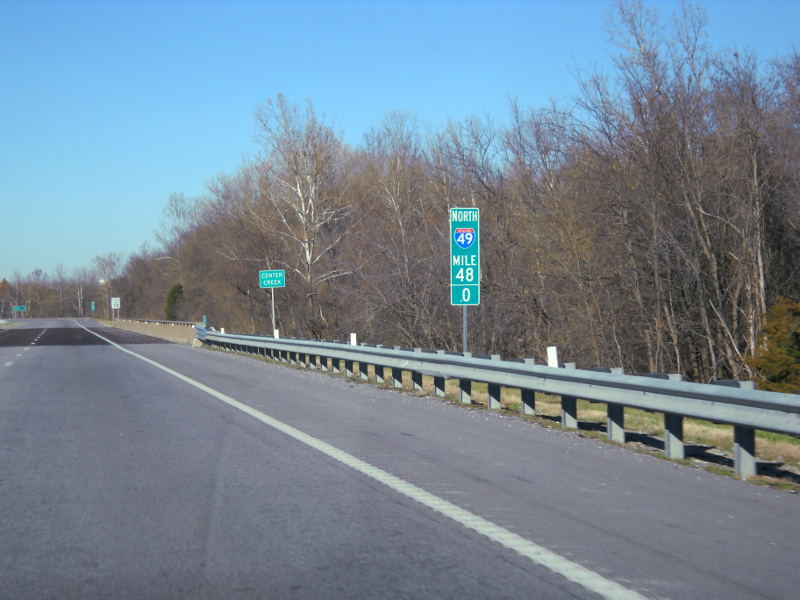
x: 538, y: 554
x: 8, y: 364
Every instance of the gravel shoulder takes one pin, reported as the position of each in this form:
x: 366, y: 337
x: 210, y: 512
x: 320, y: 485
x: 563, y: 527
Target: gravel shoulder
x: 179, y: 334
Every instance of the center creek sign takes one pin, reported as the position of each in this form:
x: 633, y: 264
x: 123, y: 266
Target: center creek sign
x: 272, y: 279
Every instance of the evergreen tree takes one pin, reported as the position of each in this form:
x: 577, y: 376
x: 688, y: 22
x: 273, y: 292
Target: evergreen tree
x: 777, y: 361
x: 174, y: 302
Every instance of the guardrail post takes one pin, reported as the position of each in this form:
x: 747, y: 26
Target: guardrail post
x: 744, y: 451
x: 527, y: 405
x: 363, y: 370
x: 336, y: 365
x: 673, y: 430
x: 465, y: 386
x: 744, y: 438
x: 348, y: 368
x: 494, y: 391
x: 323, y: 363
x: 397, y: 374
x: 416, y: 376
x: 379, y: 374
x: 744, y: 444
x: 615, y: 422
x: 439, y: 383
x: 569, y: 407
x: 673, y: 437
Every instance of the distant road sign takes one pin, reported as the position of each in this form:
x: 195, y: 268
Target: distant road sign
x: 465, y: 257
x: 92, y: 306
x: 272, y: 279
x: 18, y: 308
x: 115, y: 303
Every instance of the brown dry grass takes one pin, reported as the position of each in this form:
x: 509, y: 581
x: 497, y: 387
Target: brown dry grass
x: 774, y: 447
x: 180, y: 334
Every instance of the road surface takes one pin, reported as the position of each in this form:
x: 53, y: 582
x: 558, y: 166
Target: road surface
x: 135, y: 468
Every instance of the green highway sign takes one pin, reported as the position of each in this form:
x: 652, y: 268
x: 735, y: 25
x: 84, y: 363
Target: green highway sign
x: 93, y: 307
x: 465, y: 257
x: 18, y: 308
x: 272, y: 279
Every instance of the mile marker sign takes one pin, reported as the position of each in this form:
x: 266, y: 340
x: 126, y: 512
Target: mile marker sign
x: 465, y: 257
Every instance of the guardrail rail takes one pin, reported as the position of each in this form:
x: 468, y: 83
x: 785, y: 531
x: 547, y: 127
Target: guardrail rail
x: 158, y: 322
x: 745, y: 408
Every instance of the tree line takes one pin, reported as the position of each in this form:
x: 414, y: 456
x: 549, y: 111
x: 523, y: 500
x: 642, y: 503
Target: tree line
x: 649, y: 223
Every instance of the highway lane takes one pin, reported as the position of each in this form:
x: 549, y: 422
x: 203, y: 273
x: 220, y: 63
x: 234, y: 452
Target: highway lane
x: 118, y: 479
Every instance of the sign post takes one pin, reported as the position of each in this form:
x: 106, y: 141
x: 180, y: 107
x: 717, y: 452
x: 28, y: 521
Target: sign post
x: 271, y: 280
x: 114, y: 306
x: 465, y: 261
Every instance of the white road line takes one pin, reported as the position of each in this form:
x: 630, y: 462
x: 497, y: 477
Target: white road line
x: 538, y: 554
x: 8, y: 364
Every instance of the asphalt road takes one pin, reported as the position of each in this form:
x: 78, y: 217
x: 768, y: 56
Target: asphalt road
x: 201, y: 474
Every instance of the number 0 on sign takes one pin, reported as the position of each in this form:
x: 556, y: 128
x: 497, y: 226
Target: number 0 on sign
x: 465, y: 257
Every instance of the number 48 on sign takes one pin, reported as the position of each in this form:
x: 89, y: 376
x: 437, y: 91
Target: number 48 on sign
x: 465, y: 257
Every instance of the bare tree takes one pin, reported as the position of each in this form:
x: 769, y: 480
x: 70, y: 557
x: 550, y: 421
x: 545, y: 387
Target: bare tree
x: 60, y: 284
x: 83, y: 281
x: 107, y: 267
x: 301, y: 178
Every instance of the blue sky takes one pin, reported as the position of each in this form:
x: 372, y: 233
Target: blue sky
x: 107, y: 108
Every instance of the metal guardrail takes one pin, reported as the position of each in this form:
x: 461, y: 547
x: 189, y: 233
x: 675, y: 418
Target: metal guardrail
x: 745, y: 409
x: 157, y: 322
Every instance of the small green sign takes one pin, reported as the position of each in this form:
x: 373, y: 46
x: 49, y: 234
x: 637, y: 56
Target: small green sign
x: 92, y: 306
x: 18, y: 308
x: 272, y: 279
x: 465, y: 257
